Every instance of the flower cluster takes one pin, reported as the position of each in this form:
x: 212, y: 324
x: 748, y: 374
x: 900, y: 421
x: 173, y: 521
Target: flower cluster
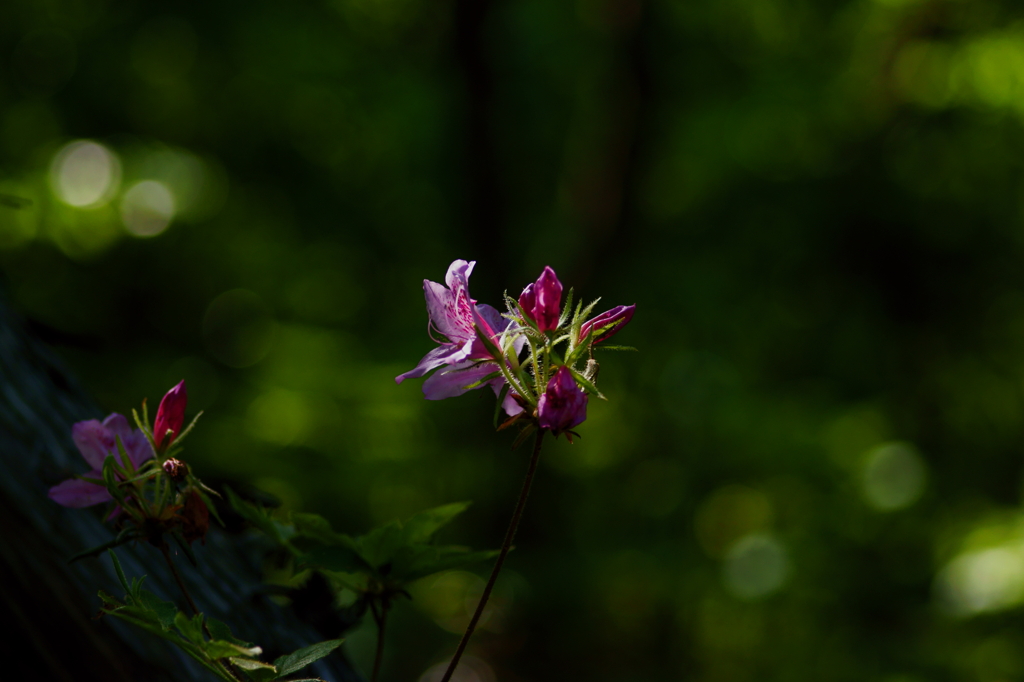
x: 136, y: 469
x: 546, y: 387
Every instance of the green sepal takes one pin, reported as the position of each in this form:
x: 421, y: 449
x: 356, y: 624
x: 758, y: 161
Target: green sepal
x: 488, y: 344
x: 501, y: 399
x: 604, y: 347
x: 482, y: 381
x: 188, y: 429
x: 586, y: 383
x: 577, y: 352
x: 120, y: 571
x: 126, y: 462
x: 110, y: 479
x: 126, y: 535
x: 566, y: 308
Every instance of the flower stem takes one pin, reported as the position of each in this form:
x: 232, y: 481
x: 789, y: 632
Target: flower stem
x: 177, y: 577
x: 165, y: 550
x: 381, y: 621
x: 505, y: 547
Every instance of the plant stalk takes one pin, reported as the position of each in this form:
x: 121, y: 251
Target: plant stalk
x: 381, y: 621
x: 165, y: 550
x: 505, y: 547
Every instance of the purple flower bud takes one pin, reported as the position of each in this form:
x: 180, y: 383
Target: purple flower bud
x: 542, y: 300
x: 528, y: 300
x: 608, y: 323
x: 170, y: 415
x: 563, y: 405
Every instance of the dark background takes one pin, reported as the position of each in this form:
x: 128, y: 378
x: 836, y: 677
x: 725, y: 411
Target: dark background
x: 811, y: 469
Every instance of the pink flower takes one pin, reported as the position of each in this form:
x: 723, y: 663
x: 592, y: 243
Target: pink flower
x: 452, y: 315
x: 563, y: 405
x: 96, y: 441
x: 542, y: 300
x: 608, y: 323
x: 170, y: 415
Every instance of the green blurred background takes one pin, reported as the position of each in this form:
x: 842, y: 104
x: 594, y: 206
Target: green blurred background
x: 812, y: 469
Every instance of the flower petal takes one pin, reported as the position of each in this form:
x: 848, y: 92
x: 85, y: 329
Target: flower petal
x: 78, y: 493
x: 452, y: 382
x: 442, y: 355
x: 93, y: 440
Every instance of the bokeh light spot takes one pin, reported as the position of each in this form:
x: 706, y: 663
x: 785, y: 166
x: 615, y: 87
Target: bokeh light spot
x: 985, y: 580
x: 147, y: 208
x: 756, y: 566
x: 85, y: 174
x: 894, y: 476
x: 728, y: 514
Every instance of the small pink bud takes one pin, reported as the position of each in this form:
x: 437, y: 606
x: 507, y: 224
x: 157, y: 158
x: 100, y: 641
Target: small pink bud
x: 563, y: 405
x: 542, y: 300
x: 610, y: 321
x: 176, y: 469
x: 170, y: 415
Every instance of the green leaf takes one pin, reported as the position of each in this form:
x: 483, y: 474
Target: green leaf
x: 604, y: 347
x: 316, y: 527
x: 421, y: 527
x: 379, y: 545
x: 165, y: 612
x: 260, y: 518
x: 297, y: 660
x: 220, y: 630
x: 191, y: 628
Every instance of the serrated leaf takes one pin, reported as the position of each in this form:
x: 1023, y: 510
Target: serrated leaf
x: 422, y: 526
x: 164, y: 611
x: 191, y: 628
x: 297, y: 660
